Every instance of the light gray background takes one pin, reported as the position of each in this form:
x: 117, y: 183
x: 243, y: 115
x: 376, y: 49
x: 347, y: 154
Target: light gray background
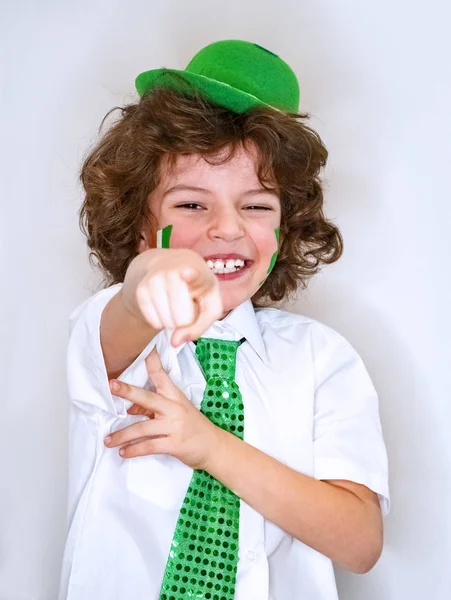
x: 375, y: 75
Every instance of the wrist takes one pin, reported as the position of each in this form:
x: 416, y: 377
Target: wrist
x: 218, y: 450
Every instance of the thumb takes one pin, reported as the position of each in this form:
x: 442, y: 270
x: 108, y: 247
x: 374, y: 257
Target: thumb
x: 161, y: 380
x: 198, y: 279
x: 189, y: 274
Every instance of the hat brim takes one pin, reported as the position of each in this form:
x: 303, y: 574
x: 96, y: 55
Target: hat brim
x: 191, y: 83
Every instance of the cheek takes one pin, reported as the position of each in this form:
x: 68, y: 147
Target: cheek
x: 182, y: 237
x: 266, y: 242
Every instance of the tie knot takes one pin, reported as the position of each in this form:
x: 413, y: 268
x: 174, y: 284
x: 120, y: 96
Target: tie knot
x: 217, y: 357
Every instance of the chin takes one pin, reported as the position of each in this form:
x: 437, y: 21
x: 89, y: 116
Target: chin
x: 231, y: 301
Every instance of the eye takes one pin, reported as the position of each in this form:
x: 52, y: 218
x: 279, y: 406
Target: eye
x: 257, y: 207
x: 189, y: 206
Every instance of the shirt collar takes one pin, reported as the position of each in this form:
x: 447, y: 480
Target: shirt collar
x: 241, y: 322
x: 244, y: 320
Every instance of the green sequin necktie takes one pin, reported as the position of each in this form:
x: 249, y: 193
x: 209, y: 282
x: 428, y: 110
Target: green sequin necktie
x: 203, y: 558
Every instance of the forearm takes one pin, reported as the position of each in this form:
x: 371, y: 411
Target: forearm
x: 330, y: 519
x: 123, y: 337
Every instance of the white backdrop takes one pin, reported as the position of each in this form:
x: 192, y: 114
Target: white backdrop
x: 375, y: 75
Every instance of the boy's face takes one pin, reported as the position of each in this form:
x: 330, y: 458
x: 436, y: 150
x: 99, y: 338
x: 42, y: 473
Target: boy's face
x: 224, y: 214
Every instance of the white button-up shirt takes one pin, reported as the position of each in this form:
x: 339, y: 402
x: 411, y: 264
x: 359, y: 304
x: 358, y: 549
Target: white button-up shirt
x: 308, y: 402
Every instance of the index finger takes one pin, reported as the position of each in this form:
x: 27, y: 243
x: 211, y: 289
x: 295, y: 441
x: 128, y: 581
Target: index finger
x: 145, y: 398
x: 210, y: 310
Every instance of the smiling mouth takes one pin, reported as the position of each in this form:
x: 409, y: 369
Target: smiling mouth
x: 227, y: 264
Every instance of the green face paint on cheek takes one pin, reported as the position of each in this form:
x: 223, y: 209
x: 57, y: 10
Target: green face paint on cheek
x: 164, y: 237
x: 273, y: 258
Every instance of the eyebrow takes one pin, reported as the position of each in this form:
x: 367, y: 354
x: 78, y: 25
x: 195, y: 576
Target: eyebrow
x: 191, y: 188
x: 185, y: 188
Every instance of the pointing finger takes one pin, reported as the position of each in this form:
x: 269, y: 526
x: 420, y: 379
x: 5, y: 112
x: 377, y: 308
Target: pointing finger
x: 180, y: 301
x: 210, y: 310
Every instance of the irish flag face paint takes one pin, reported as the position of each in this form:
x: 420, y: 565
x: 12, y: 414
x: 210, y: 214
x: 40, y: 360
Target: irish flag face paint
x: 273, y: 258
x: 164, y: 237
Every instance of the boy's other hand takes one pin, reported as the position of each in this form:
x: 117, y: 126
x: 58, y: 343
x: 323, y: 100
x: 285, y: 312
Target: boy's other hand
x: 174, y: 425
x: 173, y: 289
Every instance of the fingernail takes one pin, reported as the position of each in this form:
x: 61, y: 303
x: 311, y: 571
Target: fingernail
x: 107, y: 439
x: 122, y: 452
x: 114, y: 386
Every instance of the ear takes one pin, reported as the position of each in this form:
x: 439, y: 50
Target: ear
x: 143, y: 244
x: 147, y: 241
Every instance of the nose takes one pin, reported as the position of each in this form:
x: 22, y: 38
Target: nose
x: 226, y: 224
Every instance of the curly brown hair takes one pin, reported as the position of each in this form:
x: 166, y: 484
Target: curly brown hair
x: 124, y: 168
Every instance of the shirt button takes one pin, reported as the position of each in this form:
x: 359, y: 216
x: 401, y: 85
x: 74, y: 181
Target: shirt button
x: 250, y: 555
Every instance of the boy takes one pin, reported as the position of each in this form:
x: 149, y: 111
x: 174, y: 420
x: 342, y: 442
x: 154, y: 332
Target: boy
x: 248, y: 452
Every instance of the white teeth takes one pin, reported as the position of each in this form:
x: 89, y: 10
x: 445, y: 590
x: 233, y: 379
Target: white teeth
x: 230, y: 265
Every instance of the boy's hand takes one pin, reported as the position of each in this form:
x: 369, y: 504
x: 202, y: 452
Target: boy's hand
x: 174, y: 427
x: 173, y: 289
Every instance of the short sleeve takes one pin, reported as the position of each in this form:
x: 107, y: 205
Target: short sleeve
x: 348, y: 441
x: 87, y: 378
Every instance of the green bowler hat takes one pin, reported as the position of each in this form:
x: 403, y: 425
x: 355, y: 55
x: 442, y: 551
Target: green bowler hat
x: 235, y: 74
